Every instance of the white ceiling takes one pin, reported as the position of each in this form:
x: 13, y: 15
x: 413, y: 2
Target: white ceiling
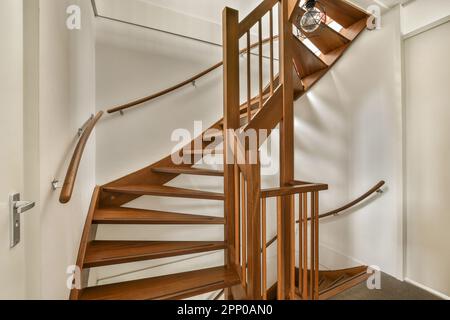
x: 384, y: 4
x: 210, y: 10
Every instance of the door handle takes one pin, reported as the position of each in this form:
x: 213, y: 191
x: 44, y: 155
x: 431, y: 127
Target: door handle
x: 16, y: 207
x: 22, y: 206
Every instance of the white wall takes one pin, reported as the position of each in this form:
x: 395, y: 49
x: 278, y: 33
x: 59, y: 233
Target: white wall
x: 421, y: 13
x: 427, y: 157
x: 59, y: 97
x: 349, y: 134
x: 202, y: 20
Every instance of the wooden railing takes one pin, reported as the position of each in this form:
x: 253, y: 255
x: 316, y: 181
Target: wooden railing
x: 242, y: 176
x: 72, y: 170
x: 339, y: 210
x: 307, y: 196
x: 187, y: 81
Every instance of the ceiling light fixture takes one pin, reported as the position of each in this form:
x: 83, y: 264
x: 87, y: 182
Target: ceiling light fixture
x: 312, y: 18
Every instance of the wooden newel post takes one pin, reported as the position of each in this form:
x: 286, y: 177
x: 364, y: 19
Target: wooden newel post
x: 231, y: 121
x: 286, y: 285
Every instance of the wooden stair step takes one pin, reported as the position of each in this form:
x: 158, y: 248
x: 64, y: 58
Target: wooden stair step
x: 140, y: 216
x: 324, y: 283
x: 213, y: 134
x: 331, y: 57
x: 310, y: 80
x: 338, y: 280
x: 306, y: 62
x: 326, y: 39
x: 103, y: 253
x: 164, y: 191
x: 190, y: 171
x: 203, y: 152
x: 170, y: 287
x: 343, y: 12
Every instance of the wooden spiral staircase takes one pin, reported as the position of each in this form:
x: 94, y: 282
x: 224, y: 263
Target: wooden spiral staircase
x: 244, y: 274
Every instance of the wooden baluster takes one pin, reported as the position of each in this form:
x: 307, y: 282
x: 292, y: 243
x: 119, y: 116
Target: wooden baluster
x: 244, y: 233
x: 313, y: 249
x: 264, y: 250
x: 305, y: 245
x: 316, y: 245
x: 292, y: 241
x: 260, y: 46
x: 237, y: 182
x: 280, y: 270
x: 271, y: 51
x: 253, y: 229
x: 249, y: 79
x: 300, y: 248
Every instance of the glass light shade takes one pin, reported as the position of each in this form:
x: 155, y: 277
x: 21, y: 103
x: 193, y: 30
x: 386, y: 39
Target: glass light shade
x: 311, y: 20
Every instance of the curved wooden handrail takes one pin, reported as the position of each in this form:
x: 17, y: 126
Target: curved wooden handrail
x: 340, y: 209
x: 286, y: 191
x: 252, y: 18
x: 354, y: 202
x: 72, y: 170
x: 181, y: 84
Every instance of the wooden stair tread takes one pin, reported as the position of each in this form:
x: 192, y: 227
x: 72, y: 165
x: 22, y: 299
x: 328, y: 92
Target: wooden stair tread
x: 140, y: 216
x: 332, y: 282
x: 203, y: 152
x: 191, y: 171
x: 102, y: 253
x: 213, y: 134
x: 174, y: 286
x: 306, y: 62
x: 165, y: 191
x: 331, y: 57
x: 343, y: 12
x: 310, y: 80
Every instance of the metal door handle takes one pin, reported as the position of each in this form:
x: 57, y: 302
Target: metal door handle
x: 16, y: 207
x: 22, y: 206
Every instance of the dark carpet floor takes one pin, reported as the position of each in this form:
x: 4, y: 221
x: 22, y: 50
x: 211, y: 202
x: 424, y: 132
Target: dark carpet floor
x: 391, y: 289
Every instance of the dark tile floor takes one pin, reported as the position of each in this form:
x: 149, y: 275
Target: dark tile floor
x: 391, y: 289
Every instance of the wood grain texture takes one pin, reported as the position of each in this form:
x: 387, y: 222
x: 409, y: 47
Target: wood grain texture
x: 138, y: 216
x: 343, y: 12
x: 104, y: 253
x: 231, y: 121
x: 170, y: 287
x: 306, y: 62
x: 253, y: 17
x: 88, y: 235
x: 164, y: 191
x: 286, y: 191
x: 72, y: 170
x: 189, y: 171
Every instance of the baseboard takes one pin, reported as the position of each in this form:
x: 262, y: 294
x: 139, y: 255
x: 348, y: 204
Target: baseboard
x: 428, y: 289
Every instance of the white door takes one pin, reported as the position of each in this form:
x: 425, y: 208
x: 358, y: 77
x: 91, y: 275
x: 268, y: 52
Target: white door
x: 427, y: 95
x: 12, y: 260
